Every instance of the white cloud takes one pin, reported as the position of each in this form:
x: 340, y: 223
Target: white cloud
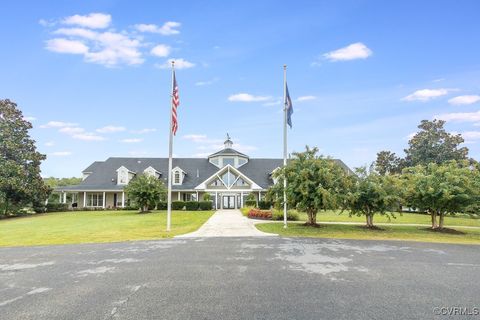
x: 180, y: 63
x: 161, y: 50
x: 77, y: 32
x: 30, y: 119
x: 57, y: 124
x: 195, y: 137
x: 71, y: 130
x: 411, y: 135
x: 351, y: 52
x: 471, y: 135
x: 110, y: 129
x: 88, y: 137
x: 61, y: 45
x: 143, y: 131
x: 92, y: 20
x: 168, y: 28
x: 49, y: 144
x: 115, y: 48
x: 61, y: 153
x: 131, y: 140
x: 466, y: 99
x: 426, y: 94
x: 306, y: 98
x: 460, y: 116
x: 246, y: 97
x: 206, y: 83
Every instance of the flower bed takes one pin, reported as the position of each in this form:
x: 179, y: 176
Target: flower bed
x: 260, y: 214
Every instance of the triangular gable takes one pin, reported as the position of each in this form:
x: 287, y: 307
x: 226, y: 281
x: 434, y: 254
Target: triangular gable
x: 218, y: 174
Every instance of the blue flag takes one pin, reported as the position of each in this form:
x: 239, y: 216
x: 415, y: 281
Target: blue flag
x: 288, y: 106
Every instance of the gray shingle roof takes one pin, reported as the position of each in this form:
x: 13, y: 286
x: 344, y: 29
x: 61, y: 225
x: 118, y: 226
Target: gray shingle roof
x: 228, y: 152
x: 104, y: 174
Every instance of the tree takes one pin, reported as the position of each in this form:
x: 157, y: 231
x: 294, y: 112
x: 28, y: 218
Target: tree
x: 52, y: 183
x: 441, y: 189
x: 20, y: 181
x: 433, y: 144
x: 145, y: 191
x: 388, y: 163
x: 373, y: 193
x: 313, y: 183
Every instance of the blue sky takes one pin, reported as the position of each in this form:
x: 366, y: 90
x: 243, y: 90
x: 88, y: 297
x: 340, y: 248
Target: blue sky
x: 362, y: 74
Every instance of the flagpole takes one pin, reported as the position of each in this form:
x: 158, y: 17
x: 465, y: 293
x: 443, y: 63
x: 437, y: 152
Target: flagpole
x: 170, y: 147
x: 284, y: 145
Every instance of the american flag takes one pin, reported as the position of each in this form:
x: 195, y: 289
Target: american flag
x: 175, y: 104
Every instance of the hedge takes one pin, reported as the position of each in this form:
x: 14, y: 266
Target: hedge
x: 162, y: 205
x: 205, y: 205
x: 250, y: 203
x: 191, y: 205
x: 264, y: 205
x: 56, y: 207
x: 178, y: 205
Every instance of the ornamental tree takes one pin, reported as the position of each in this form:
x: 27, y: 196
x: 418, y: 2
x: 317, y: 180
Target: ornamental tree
x: 373, y: 193
x: 388, y: 163
x: 20, y: 181
x: 442, y: 189
x: 314, y: 183
x: 145, y: 191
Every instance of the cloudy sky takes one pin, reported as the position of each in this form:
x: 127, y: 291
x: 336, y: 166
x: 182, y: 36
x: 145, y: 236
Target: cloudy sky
x: 93, y: 76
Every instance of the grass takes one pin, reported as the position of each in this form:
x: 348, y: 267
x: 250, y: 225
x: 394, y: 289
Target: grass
x: 407, y: 233
x: 97, y: 226
x: 407, y: 218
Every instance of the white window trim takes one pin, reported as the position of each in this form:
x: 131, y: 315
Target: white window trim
x: 182, y: 175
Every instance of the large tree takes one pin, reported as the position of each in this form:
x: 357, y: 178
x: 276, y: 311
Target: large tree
x: 388, y: 163
x: 432, y: 143
x: 145, y: 191
x: 20, y: 181
x: 450, y: 187
x: 373, y: 193
x: 314, y: 183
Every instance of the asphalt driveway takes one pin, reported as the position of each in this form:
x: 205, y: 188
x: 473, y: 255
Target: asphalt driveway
x: 240, y: 278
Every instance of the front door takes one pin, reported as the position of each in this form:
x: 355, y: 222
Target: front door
x: 228, y: 202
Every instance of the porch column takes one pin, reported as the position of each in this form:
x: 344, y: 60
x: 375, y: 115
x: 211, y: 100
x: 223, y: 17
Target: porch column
x: 123, y: 199
x: 64, y: 197
x: 241, y: 199
x: 178, y: 198
x: 84, y: 199
x: 103, y: 204
x: 197, y: 197
x: 259, y: 196
x: 216, y: 200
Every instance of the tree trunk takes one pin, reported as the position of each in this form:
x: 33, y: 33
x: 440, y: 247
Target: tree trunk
x: 442, y: 215
x: 312, y: 217
x: 433, y: 213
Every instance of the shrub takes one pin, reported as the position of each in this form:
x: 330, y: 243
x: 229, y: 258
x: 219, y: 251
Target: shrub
x: 56, y: 207
x: 260, y: 214
x: 178, y: 205
x: 291, y: 215
x: 205, y: 205
x: 264, y: 205
x: 250, y: 203
x: 191, y: 205
x: 162, y: 205
x: 206, y: 197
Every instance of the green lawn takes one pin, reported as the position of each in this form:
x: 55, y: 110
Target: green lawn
x: 96, y: 226
x: 337, y: 216
x: 470, y: 236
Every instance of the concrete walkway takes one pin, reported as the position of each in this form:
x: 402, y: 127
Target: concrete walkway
x: 227, y: 223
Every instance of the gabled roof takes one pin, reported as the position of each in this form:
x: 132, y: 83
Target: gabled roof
x: 228, y: 152
x: 220, y: 171
x: 92, y: 167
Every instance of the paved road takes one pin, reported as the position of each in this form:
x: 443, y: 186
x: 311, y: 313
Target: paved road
x: 228, y: 223
x: 238, y: 278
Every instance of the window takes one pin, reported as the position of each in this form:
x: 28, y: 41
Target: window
x: 95, y: 200
x: 122, y: 177
x: 229, y: 161
x: 241, y: 183
x: 176, y: 177
x: 216, y: 183
x: 241, y: 161
x: 215, y: 161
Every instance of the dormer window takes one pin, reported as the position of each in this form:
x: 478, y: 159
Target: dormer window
x: 178, y: 175
x: 124, y: 175
x: 152, y: 172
